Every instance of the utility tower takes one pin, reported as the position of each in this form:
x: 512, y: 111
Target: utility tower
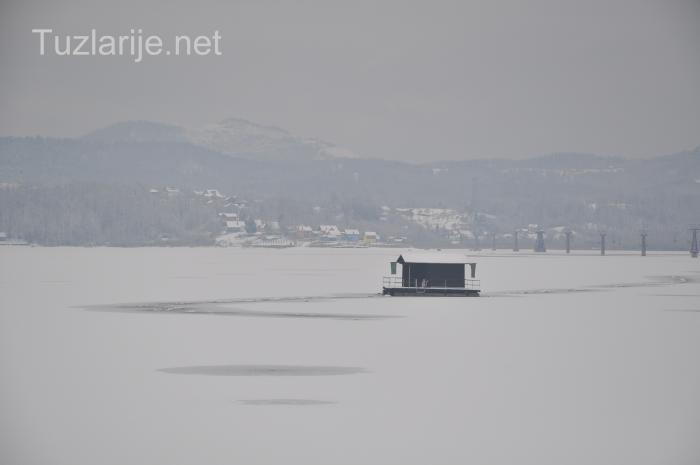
x: 602, y: 243
x: 539, y: 243
x: 515, y: 244
x: 644, y: 243
x: 568, y: 240
x: 493, y: 241
x: 694, y: 242
x: 476, y: 220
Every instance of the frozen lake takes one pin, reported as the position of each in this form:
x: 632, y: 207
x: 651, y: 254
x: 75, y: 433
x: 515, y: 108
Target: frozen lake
x: 253, y: 356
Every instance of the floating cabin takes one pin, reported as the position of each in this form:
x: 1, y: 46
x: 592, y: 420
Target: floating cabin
x: 432, y: 275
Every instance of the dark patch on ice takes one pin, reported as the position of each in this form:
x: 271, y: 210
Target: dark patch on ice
x: 217, y: 307
x: 296, y: 402
x: 304, y: 273
x: 223, y: 311
x: 673, y: 295
x: 674, y: 279
x: 318, y: 315
x: 555, y: 291
x: 246, y: 300
x: 654, y: 281
x: 524, y: 292
x: 263, y: 370
x: 627, y: 285
x: 325, y: 271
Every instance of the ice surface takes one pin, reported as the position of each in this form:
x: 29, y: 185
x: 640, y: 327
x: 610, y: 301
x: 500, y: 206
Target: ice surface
x: 564, y: 360
x: 285, y: 402
x: 263, y: 370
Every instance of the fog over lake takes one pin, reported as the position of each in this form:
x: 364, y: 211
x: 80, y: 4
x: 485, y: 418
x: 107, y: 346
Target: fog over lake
x: 258, y: 356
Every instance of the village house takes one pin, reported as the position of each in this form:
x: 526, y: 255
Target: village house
x: 235, y: 226
x: 371, y: 237
x: 330, y: 232
x: 213, y: 193
x: 304, y: 232
x: 351, y: 235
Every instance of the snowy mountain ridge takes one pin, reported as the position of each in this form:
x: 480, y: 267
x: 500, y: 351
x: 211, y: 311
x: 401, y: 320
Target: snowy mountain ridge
x: 232, y: 136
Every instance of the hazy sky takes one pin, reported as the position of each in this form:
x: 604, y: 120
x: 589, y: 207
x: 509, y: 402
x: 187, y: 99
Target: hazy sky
x: 400, y: 80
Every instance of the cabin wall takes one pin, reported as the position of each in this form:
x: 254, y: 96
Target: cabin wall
x: 436, y: 274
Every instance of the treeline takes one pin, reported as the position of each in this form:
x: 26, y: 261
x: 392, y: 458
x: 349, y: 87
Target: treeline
x: 89, y: 204
x: 117, y: 215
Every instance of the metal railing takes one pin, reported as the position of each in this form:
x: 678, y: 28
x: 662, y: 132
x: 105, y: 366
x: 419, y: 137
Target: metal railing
x: 398, y: 281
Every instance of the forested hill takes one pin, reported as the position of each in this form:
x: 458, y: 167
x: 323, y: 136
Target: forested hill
x: 661, y: 193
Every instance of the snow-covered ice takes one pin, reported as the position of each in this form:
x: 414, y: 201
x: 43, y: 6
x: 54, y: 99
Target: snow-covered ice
x: 258, y: 356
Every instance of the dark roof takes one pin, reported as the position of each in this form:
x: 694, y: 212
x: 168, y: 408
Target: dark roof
x: 434, y: 257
